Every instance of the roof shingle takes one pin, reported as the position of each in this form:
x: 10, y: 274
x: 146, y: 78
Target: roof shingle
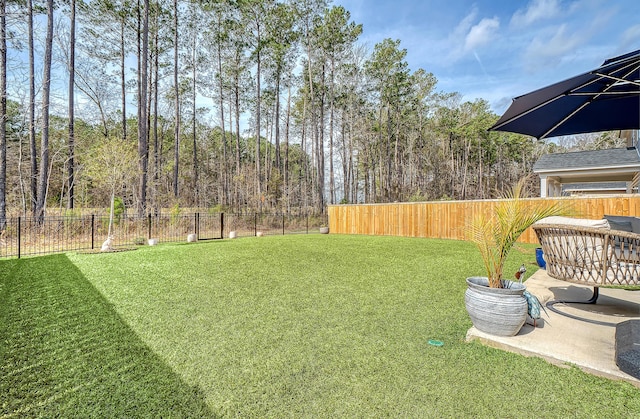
x: 614, y: 157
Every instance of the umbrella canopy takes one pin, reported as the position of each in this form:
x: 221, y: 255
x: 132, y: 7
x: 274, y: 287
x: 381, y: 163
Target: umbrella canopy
x: 605, y: 99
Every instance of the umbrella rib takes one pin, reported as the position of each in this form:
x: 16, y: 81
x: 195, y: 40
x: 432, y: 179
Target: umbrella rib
x: 599, y: 75
x: 528, y: 111
x: 629, y: 92
x: 563, y: 120
x: 634, y: 64
x: 637, y: 83
x: 545, y: 103
x: 595, y: 96
x: 579, y: 108
x: 607, y: 76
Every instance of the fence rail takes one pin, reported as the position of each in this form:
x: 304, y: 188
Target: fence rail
x: 447, y: 219
x: 27, y: 236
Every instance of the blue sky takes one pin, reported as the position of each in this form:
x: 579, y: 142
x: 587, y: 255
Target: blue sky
x: 499, y: 49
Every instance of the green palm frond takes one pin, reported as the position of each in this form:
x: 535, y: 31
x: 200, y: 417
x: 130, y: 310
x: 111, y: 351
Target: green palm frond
x: 495, y: 235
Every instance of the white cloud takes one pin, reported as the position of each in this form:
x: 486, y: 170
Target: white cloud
x: 481, y: 34
x: 464, y: 26
x: 544, y: 52
x: 555, y: 45
x: 535, y: 11
x: 630, y: 39
x: 467, y: 36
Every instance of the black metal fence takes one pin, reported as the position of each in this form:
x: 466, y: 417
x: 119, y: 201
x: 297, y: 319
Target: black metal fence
x: 28, y: 236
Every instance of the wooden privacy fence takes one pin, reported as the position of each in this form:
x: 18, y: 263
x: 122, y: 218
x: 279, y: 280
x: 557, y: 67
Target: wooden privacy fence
x: 447, y: 219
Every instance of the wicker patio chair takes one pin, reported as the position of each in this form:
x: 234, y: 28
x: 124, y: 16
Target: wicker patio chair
x: 592, y: 256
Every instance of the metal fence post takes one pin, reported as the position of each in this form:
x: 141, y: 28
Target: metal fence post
x: 149, y: 228
x: 255, y: 223
x: 93, y: 229
x: 19, y: 235
x: 283, y: 224
x: 197, y: 225
x: 222, y: 225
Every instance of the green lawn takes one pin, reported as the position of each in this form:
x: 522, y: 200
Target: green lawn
x: 288, y: 326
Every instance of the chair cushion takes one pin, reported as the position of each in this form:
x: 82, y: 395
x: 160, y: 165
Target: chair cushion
x: 621, y: 225
x: 579, y: 222
x: 634, y: 221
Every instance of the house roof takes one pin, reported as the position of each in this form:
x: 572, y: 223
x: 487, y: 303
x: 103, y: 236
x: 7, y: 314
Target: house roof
x: 611, y: 158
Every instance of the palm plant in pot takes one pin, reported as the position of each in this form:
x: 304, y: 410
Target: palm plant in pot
x: 496, y: 305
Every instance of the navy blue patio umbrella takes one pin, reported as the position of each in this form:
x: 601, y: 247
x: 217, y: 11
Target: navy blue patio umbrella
x: 605, y: 99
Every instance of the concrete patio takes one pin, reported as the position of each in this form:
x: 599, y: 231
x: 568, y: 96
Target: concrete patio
x: 585, y: 340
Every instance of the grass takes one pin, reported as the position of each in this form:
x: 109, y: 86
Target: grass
x: 283, y: 326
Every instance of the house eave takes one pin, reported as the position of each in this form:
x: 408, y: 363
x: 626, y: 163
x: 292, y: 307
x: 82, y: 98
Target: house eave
x: 608, y: 169
x: 620, y: 173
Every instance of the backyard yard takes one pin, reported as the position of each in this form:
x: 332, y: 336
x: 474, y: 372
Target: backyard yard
x: 279, y: 326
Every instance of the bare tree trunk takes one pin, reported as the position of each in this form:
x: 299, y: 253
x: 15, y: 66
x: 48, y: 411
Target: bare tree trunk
x: 320, y: 146
x: 355, y: 174
x: 311, y: 99
x: 397, y: 166
x: 379, y: 145
x: 305, y: 166
x: 373, y: 193
x: 452, y: 167
x: 480, y: 172
x: 267, y: 154
x: 277, y: 118
x: 467, y: 149
x: 287, y: 187
x: 387, y: 191
x: 233, y: 194
x: 237, y: 109
x: 225, y: 175
x: 123, y: 86
x: 143, y: 122
x: 72, y: 72
x: 344, y: 160
x: 3, y: 117
x: 43, y: 180
x: 196, y: 191
x: 150, y: 95
x: 353, y: 197
x: 365, y: 170
x: 176, y: 130
x: 23, y: 192
x: 156, y: 151
x: 258, y: 172
x: 32, y: 120
x: 111, y: 209
x: 332, y: 182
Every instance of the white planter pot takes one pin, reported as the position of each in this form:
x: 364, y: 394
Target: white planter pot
x: 497, y: 311
x: 153, y: 242
x: 191, y: 238
x: 233, y: 235
x: 324, y: 230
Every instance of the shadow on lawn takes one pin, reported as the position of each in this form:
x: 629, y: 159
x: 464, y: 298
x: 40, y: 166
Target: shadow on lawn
x: 65, y: 352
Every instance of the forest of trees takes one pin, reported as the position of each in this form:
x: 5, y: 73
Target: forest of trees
x: 236, y: 104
